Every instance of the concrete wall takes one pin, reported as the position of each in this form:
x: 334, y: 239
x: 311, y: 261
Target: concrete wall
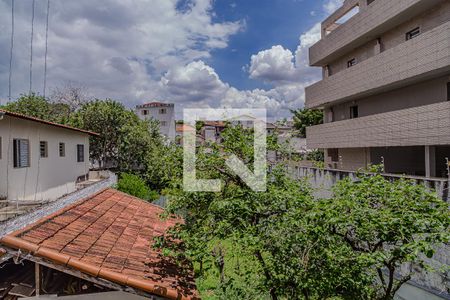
x: 422, y: 58
x: 46, y: 178
x: 169, y: 118
x: 377, y: 18
x: 350, y: 159
x: 424, y: 93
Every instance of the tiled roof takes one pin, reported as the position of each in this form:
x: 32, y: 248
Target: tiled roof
x: 109, y: 235
x: 33, y: 119
x: 184, y: 127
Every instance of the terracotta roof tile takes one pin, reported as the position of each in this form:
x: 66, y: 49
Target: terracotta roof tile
x: 111, y: 234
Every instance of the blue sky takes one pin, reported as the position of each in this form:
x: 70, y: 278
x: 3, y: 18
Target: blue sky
x: 194, y: 53
x: 268, y: 23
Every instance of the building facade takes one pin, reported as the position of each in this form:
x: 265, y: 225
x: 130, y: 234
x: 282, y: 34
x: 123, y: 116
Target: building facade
x: 164, y: 113
x: 39, y: 160
x: 386, y: 86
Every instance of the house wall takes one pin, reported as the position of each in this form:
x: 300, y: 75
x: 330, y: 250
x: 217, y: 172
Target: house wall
x: 47, y: 178
x: 169, y: 117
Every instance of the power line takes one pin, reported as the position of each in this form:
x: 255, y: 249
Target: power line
x: 11, y: 50
x: 31, y: 46
x: 46, y: 49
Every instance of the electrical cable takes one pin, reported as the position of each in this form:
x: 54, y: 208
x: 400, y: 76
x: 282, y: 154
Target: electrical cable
x: 46, y: 49
x: 31, y: 45
x: 11, y: 50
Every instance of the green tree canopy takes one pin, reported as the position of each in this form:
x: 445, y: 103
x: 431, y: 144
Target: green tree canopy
x: 304, y: 118
x: 261, y: 244
x: 124, y: 140
x: 39, y: 107
x: 386, y: 224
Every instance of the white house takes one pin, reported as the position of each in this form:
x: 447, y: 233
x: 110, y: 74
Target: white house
x: 40, y: 160
x: 164, y: 113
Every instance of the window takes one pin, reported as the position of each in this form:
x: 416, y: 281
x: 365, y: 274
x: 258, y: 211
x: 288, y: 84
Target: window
x: 43, y: 149
x: 80, y: 153
x: 351, y: 62
x: 448, y: 98
x: 145, y: 112
x: 354, y: 112
x: 163, y: 123
x: 62, y: 149
x: 333, y: 154
x: 413, y: 33
x: 162, y: 111
x: 21, y: 149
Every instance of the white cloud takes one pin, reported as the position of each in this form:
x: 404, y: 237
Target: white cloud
x: 140, y: 50
x: 117, y: 48
x: 196, y: 82
x: 332, y: 5
x: 273, y: 65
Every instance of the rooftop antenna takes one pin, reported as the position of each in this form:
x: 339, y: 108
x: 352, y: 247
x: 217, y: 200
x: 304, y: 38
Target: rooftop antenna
x: 31, y: 45
x: 11, y: 51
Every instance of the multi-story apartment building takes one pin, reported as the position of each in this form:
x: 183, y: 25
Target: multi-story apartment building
x: 164, y: 113
x: 386, y: 86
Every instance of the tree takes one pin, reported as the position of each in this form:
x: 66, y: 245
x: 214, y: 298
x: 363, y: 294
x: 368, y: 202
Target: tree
x: 39, y: 107
x: 124, y: 139
x: 257, y: 244
x: 304, y: 118
x: 72, y: 95
x: 386, y: 224
x: 135, y: 186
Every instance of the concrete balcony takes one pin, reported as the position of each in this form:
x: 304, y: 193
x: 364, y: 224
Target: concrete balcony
x: 418, y: 126
x: 424, y: 57
x: 372, y: 21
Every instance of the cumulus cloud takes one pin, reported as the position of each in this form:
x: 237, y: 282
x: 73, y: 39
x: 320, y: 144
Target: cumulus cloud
x: 289, y: 73
x: 196, y: 82
x: 118, y: 48
x: 273, y: 65
x: 139, y: 50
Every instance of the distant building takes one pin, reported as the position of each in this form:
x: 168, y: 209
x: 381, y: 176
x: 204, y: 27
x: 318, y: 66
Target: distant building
x: 40, y: 160
x: 164, y: 113
x: 386, y: 86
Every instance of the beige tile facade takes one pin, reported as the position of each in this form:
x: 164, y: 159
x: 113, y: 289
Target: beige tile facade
x: 418, y: 59
x: 373, y: 20
x: 423, y: 125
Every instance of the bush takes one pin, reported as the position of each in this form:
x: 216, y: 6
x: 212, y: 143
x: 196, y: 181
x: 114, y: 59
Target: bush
x: 135, y: 186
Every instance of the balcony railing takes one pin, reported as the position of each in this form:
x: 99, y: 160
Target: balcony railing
x: 422, y: 125
x: 423, y: 57
x: 379, y: 16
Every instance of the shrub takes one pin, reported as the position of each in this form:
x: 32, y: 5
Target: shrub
x: 135, y: 186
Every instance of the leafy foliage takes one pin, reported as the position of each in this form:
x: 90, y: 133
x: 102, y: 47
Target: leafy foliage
x: 304, y: 118
x: 39, y: 107
x: 282, y: 253
x: 124, y: 139
x: 135, y: 186
x: 386, y: 224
